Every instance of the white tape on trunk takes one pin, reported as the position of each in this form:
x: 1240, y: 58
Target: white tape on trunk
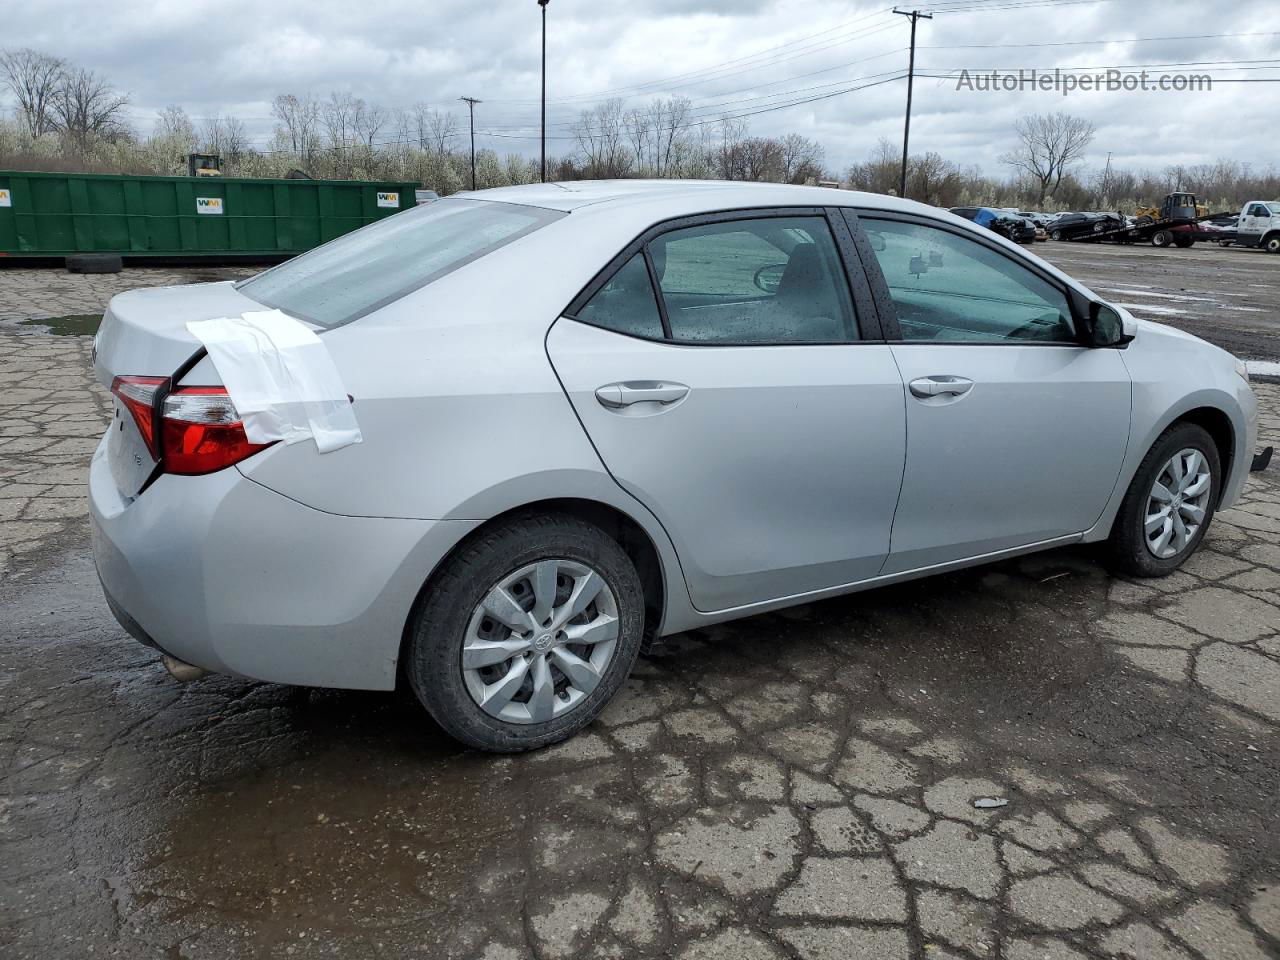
x: 281, y: 378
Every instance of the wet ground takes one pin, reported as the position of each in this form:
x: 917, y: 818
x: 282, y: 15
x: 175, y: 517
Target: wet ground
x: 800, y: 785
x: 1226, y: 295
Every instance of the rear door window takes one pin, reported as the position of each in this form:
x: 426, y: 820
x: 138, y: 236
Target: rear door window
x: 378, y: 264
x: 766, y: 280
x: 626, y: 303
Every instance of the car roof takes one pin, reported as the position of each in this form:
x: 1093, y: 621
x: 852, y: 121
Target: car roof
x: 697, y: 195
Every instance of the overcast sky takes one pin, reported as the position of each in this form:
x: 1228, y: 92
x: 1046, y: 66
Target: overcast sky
x: 727, y: 56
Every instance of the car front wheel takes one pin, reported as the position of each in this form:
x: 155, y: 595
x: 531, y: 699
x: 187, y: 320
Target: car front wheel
x: 526, y: 633
x: 1169, y: 505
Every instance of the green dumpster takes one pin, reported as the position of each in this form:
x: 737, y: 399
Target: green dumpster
x: 65, y: 214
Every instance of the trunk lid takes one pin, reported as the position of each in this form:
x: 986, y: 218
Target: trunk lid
x: 144, y: 334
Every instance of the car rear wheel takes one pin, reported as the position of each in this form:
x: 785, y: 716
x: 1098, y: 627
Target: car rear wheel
x: 1169, y: 505
x: 1057, y: 234
x: 1161, y: 238
x: 526, y: 634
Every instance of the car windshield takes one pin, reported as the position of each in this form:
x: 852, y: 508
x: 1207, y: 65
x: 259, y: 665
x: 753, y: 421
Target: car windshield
x: 361, y: 271
x: 1274, y: 207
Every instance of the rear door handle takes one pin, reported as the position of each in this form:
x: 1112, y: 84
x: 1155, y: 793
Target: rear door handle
x: 640, y: 391
x: 941, y: 386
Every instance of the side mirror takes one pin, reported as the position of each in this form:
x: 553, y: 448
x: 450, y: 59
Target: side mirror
x: 877, y: 240
x: 1106, y: 328
x: 768, y: 278
x: 918, y: 265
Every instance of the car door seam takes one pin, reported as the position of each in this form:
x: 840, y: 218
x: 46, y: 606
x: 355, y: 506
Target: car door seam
x: 564, y: 392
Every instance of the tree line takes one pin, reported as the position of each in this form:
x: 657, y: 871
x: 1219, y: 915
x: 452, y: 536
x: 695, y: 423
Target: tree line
x: 70, y: 118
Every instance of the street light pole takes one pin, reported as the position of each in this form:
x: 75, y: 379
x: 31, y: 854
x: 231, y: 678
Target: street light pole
x: 911, y: 69
x: 471, y: 105
x: 543, y: 5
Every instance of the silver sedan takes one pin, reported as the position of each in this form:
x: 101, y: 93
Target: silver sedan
x: 594, y: 414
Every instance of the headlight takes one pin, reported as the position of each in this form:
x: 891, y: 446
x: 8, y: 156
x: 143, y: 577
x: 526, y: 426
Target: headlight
x: 1242, y: 370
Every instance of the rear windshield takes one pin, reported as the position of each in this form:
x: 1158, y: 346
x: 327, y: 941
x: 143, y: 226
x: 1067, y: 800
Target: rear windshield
x: 370, y: 267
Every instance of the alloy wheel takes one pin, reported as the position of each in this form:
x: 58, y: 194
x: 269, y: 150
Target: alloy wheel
x: 1177, y: 503
x: 540, y: 641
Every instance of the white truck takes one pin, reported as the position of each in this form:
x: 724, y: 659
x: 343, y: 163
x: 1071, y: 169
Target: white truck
x: 1259, y: 225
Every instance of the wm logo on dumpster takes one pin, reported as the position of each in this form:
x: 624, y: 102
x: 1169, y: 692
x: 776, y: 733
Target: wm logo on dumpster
x: 208, y: 204
x: 388, y: 199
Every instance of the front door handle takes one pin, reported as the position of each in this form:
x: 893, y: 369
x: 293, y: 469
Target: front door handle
x: 617, y: 395
x: 941, y: 386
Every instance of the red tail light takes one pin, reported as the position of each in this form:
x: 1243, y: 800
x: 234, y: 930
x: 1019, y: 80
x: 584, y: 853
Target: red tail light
x: 200, y: 428
x: 201, y: 432
x: 138, y: 394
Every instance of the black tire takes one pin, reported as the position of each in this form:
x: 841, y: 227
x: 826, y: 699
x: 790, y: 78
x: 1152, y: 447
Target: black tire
x: 1184, y: 243
x: 1056, y: 235
x: 1271, y: 244
x: 1127, y: 546
x: 95, y: 263
x: 433, y: 662
x: 1161, y: 238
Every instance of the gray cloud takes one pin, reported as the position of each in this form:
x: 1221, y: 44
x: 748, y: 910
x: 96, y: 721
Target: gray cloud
x: 234, y: 56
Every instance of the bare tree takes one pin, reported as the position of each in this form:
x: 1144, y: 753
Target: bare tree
x: 369, y: 119
x: 801, y: 159
x: 1050, y: 144
x: 670, y: 123
x: 33, y: 78
x: 933, y: 179
x: 729, y: 161
x: 640, y: 135
x: 338, y: 114
x: 601, y: 137
x: 85, y: 105
x: 880, y: 172
x: 433, y: 129
x: 227, y: 137
x: 175, y: 127
x: 761, y: 159
x: 299, y: 122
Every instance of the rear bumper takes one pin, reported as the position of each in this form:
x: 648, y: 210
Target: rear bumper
x: 227, y: 575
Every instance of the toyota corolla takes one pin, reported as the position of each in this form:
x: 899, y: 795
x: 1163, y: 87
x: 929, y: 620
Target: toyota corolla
x: 594, y: 414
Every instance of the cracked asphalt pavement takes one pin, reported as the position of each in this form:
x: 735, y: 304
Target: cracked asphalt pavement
x: 800, y: 784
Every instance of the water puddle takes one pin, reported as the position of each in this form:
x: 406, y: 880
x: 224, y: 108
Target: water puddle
x: 72, y: 325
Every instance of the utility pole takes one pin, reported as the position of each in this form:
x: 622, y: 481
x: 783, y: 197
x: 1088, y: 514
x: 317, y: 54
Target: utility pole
x: 471, y: 105
x: 543, y: 5
x: 911, y: 70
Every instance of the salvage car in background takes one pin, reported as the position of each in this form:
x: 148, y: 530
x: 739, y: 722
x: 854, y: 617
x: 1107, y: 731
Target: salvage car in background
x: 594, y: 414
x: 1008, y: 225
x: 1070, y: 225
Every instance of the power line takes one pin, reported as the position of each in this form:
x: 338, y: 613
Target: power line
x: 706, y: 75
x: 766, y: 53
x: 1072, y: 43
